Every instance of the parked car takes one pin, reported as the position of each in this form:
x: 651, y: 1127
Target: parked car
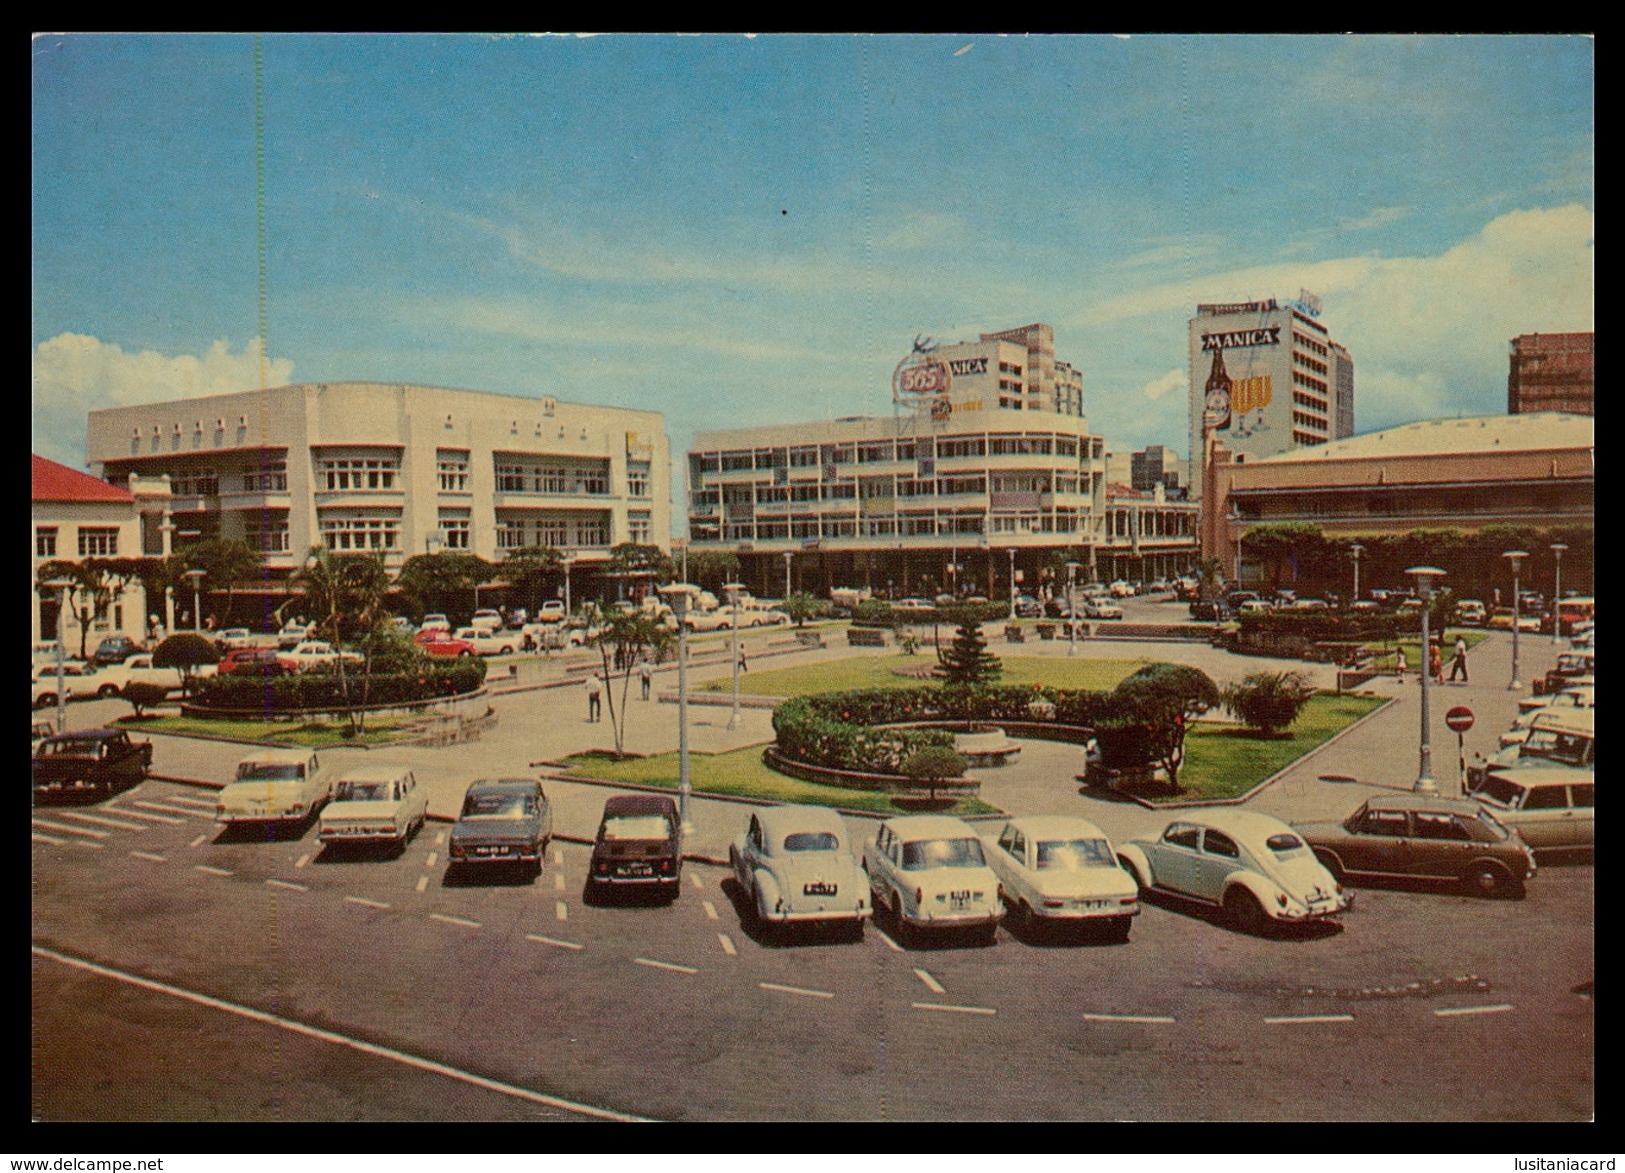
x: 1502, y: 618
x: 1028, y: 607
x: 91, y: 763
x: 1121, y: 589
x: 85, y: 678
x: 931, y: 873
x: 1551, y: 807
x: 1583, y: 696
x: 488, y: 619
x: 316, y: 653
x: 718, y: 620
x: 1571, y: 666
x: 759, y: 615
x: 42, y: 730
x: 253, y: 662
x: 920, y: 606
x: 1100, y: 609
x: 275, y: 786
x: 1471, y: 613
x: 380, y: 803
x: 552, y: 611
x: 1423, y: 837
x: 491, y: 643
x: 439, y: 642
x: 293, y: 633
x: 1559, y: 737
x: 1255, y: 867
x: 435, y: 621
x: 115, y: 649
x: 503, y: 821
x: 235, y: 637
x: 639, y: 845
x: 1058, y: 868
x: 794, y: 866
x: 45, y: 688
x: 140, y: 669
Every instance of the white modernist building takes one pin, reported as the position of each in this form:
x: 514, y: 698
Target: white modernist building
x: 986, y: 466
x: 395, y: 469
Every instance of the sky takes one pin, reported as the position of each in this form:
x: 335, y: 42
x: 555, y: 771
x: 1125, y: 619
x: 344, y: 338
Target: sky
x: 741, y: 231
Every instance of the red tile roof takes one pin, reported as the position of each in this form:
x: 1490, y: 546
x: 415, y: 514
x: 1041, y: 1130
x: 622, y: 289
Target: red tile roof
x: 58, y: 482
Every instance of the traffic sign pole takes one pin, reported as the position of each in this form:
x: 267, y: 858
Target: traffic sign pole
x: 1460, y: 719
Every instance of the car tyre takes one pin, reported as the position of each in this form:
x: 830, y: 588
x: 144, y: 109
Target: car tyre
x: 464, y: 652
x: 46, y: 700
x: 1245, y: 912
x: 1119, y: 928
x: 1490, y: 879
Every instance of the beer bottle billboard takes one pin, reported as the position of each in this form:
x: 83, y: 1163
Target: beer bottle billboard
x: 1216, y: 413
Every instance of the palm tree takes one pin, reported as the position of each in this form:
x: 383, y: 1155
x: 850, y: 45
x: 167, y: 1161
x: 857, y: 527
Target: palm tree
x: 346, y: 592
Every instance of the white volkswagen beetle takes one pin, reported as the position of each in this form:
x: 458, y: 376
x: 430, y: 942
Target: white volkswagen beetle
x: 1255, y: 867
x: 930, y: 871
x: 1062, y: 869
x: 794, y: 866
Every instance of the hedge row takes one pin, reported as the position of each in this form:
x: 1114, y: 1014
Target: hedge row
x: 323, y: 690
x: 1316, y: 626
x: 879, y: 613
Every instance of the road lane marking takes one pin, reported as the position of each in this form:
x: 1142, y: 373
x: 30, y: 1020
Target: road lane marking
x: 288, y: 884
x: 727, y: 945
x: 710, y: 910
x: 796, y: 990
x: 558, y: 856
x: 1289, y: 1020
x: 41, y: 837
x: 130, y: 814
x: 152, y: 855
x: 554, y: 941
x: 301, y: 861
x: 1453, y: 1011
x: 1126, y: 1018
x: 931, y: 983
x: 440, y: 838
x: 561, y: 910
x: 103, y: 822
x: 198, y: 842
x: 328, y: 1036
x: 695, y: 879
x: 954, y: 1009
x: 429, y: 863
x: 454, y: 920
x: 213, y: 871
x: 423, y: 883
x: 188, y: 800
x: 892, y: 945
x: 558, y: 881
x: 364, y: 901
x: 70, y: 829
x: 665, y: 965
x: 169, y: 810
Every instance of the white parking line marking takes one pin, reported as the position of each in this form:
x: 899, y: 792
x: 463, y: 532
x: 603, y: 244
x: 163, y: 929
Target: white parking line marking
x: 429, y: 863
x: 301, y: 861
x: 710, y: 910
x: 153, y: 856
x: 698, y: 883
x: 198, y: 842
x: 561, y: 910
x: 1288, y: 1020
x: 288, y: 884
x: 103, y: 822
x: 187, y: 800
x: 558, y: 881
x: 213, y: 871
x: 454, y: 920
x: 795, y: 990
x: 440, y: 839
x: 954, y: 1009
x: 42, y: 838
x: 423, y: 883
x: 82, y: 843
x: 1499, y: 1008
x: 364, y: 901
x: 665, y: 965
x: 71, y: 829
x: 558, y: 857
x: 931, y: 983
x: 890, y: 944
x: 169, y: 810
x: 328, y: 1036
x: 130, y: 814
x: 554, y: 941
x: 1126, y: 1018
x: 727, y: 945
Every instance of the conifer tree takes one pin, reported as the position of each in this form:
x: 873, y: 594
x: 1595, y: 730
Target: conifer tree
x: 967, y: 661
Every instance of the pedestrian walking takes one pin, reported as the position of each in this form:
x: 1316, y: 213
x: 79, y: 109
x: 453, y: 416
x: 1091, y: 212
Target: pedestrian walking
x: 594, y: 697
x: 1399, y: 665
x: 1435, y: 662
x: 645, y: 675
x: 1458, y: 662
x: 743, y: 667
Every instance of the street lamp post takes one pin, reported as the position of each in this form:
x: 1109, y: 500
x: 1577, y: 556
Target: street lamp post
x: 1235, y: 520
x: 1012, y: 584
x: 1354, y: 554
x: 61, y: 586
x: 732, y: 590
x: 1425, y: 577
x: 1515, y: 557
x: 788, y: 556
x: 679, y: 595
x: 1072, y: 607
x: 197, y: 577
x: 567, y: 560
x: 1557, y: 591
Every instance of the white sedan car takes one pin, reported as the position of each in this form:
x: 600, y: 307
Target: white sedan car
x: 1062, y: 869
x: 794, y: 866
x: 313, y: 653
x: 491, y: 643
x: 1254, y: 867
x: 379, y: 803
x: 931, y: 873
x: 719, y: 620
x: 275, y: 786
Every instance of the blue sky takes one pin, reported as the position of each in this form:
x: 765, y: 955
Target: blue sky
x: 743, y: 231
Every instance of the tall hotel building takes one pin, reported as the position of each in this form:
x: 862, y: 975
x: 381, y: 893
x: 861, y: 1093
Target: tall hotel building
x: 1267, y: 378
x: 395, y: 470
x: 985, y: 465
x: 1553, y: 372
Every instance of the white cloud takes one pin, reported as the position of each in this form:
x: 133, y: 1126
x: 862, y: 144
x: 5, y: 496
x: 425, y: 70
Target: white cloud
x: 75, y: 374
x: 1173, y: 381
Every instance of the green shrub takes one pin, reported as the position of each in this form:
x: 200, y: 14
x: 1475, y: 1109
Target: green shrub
x: 325, y: 690
x: 1268, y: 701
x: 932, y: 764
x: 143, y: 695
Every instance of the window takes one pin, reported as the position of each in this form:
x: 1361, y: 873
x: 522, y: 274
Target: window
x: 1546, y: 798
x: 195, y: 484
x: 371, y: 475
x: 510, y: 478
x: 510, y: 535
x: 1585, y: 795
x: 457, y: 527
x: 637, y: 479
x: 452, y: 468
x: 361, y: 533
x: 1217, y: 843
x: 1182, y: 835
x: 270, y: 477
x: 638, y: 528
x: 270, y: 538
x: 45, y: 542
x: 97, y: 542
x: 1430, y: 825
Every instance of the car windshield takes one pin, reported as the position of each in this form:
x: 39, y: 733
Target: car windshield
x: 1285, y: 846
x: 71, y: 747
x: 1558, y: 747
x: 636, y: 827
x: 811, y: 841
x: 1073, y: 854
x: 361, y: 791
x: 270, y: 771
x: 1497, y: 789
x: 498, y: 806
x: 942, y: 853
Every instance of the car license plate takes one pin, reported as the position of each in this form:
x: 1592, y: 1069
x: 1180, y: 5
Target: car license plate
x: 1091, y: 905
x: 637, y: 869
x: 959, y: 899
x: 490, y: 850
x: 819, y: 889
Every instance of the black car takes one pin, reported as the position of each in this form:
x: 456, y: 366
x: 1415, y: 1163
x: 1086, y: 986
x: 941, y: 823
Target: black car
x: 639, y: 845
x: 89, y: 764
x: 115, y: 649
x: 503, y: 821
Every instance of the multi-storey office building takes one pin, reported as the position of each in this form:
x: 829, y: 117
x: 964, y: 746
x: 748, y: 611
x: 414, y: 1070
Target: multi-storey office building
x: 76, y: 517
x: 1154, y: 466
x: 396, y: 470
x: 1267, y: 378
x: 1149, y: 534
x: 1553, y: 372
x: 993, y: 470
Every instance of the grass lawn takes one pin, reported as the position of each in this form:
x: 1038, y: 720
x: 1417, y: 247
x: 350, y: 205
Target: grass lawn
x: 315, y: 734
x: 742, y: 772
x: 878, y: 672
x: 1226, y: 761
